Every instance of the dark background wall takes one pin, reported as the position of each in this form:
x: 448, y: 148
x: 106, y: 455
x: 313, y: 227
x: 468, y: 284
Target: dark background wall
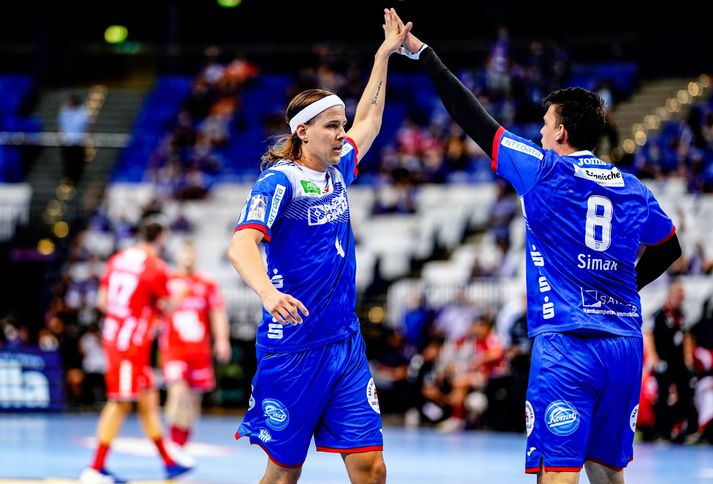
x: 62, y: 41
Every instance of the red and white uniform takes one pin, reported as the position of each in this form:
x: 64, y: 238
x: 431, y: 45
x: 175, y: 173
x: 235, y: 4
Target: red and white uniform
x: 185, y: 339
x: 133, y: 281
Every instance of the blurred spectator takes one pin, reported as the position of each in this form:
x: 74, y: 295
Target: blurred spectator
x: 702, y: 336
x: 454, y: 320
x: 610, y: 134
x: 73, y: 121
x: 417, y: 322
x: 464, y: 369
x: 390, y: 371
x: 670, y: 350
x: 497, y: 66
x: 502, y: 212
x: 93, y: 364
x: 421, y: 373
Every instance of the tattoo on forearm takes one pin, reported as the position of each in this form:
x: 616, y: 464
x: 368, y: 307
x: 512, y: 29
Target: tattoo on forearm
x: 378, y: 90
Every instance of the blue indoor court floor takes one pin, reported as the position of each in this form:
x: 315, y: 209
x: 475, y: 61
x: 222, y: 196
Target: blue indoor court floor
x: 54, y: 448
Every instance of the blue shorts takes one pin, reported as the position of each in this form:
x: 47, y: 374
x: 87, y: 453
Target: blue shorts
x: 582, y: 401
x: 325, y: 392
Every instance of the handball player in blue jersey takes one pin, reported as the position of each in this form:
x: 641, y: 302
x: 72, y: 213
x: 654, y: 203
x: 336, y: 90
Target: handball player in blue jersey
x: 312, y: 375
x: 585, y: 221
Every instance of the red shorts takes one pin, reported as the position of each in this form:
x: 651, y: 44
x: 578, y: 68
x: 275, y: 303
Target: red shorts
x: 195, y: 369
x: 128, y: 372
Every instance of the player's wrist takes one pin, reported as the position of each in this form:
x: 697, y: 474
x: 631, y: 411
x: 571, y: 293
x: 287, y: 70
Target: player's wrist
x: 414, y: 55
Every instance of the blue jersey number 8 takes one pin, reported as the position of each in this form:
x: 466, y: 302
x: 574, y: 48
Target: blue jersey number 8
x: 599, y: 214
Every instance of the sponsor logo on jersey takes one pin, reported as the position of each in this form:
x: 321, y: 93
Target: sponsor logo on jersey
x: 632, y: 418
x: 372, y: 397
x: 328, y: 212
x: 310, y: 187
x: 537, y: 258
x: 340, y: 249
x: 562, y: 418
x: 276, y: 415
x: 586, y: 261
x: 277, y: 280
x: 521, y: 147
x: 275, y: 330
x: 595, y: 302
x: 529, y: 418
x: 604, y: 177
x: 258, y: 206
x: 275, y: 205
x: 264, y: 435
x: 346, y: 149
x: 591, y: 161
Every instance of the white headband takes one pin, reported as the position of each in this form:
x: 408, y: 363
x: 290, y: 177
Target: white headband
x: 314, y: 109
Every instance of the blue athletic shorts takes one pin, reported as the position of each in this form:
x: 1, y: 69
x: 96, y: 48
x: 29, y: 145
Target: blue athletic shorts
x: 325, y: 392
x: 582, y: 401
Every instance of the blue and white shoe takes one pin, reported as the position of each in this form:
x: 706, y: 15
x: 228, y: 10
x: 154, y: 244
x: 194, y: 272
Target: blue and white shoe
x: 176, y: 470
x: 103, y: 476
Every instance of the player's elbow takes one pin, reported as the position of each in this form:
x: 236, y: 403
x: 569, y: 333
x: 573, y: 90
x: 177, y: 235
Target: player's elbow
x: 233, y: 253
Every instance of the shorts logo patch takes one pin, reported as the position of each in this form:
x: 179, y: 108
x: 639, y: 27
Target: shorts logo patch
x: 264, y: 435
x: 372, y: 397
x: 562, y: 418
x: 632, y: 418
x: 276, y: 415
x: 529, y: 417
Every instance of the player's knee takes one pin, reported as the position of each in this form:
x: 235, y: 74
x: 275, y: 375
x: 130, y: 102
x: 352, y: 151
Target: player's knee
x: 373, y: 471
x: 377, y: 474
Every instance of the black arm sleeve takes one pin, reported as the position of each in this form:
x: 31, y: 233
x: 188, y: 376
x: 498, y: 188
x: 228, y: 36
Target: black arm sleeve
x: 460, y: 102
x: 655, y: 260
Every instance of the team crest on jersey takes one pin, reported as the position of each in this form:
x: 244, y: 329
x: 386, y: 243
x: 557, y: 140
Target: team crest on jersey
x: 276, y: 415
x: 258, y: 207
x: 529, y: 417
x: 372, y: 397
x: 562, y: 418
x: 632, y: 418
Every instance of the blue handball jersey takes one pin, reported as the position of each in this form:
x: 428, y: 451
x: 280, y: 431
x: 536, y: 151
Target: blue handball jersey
x: 304, y: 215
x: 584, y: 223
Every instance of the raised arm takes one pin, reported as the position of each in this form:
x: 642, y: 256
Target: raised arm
x: 460, y: 102
x: 370, y: 110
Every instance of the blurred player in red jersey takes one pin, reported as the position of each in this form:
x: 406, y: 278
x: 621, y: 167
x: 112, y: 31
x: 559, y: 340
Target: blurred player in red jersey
x: 133, y: 289
x: 186, y: 343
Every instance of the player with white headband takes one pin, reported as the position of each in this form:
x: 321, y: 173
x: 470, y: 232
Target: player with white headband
x: 312, y: 378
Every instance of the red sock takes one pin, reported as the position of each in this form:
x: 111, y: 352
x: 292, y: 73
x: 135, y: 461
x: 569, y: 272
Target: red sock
x: 100, y: 456
x: 162, y: 450
x: 458, y: 412
x: 179, y: 435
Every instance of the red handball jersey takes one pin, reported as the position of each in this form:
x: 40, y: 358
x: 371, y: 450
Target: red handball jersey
x: 134, y: 281
x: 187, y: 329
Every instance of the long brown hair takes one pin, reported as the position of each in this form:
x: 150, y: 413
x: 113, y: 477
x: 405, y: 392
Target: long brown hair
x: 289, y: 146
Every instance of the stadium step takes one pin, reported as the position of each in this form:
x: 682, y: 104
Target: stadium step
x: 655, y: 102
x: 53, y: 201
